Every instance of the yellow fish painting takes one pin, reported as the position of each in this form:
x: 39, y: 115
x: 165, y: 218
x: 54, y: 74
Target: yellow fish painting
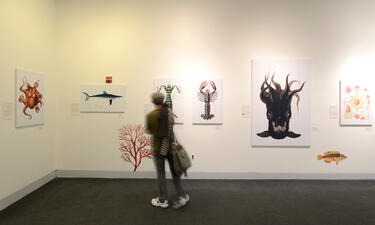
x: 332, y: 156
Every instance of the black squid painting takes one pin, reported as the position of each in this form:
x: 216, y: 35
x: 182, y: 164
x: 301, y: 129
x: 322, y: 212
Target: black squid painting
x: 278, y: 103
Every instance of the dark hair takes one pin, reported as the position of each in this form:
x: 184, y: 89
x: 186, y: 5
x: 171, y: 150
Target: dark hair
x: 163, y: 121
x: 157, y: 98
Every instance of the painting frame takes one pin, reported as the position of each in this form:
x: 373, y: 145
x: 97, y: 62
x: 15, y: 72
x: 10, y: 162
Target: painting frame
x: 174, y: 92
x: 355, y: 103
x: 286, y: 120
x: 30, y: 98
x: 98, y: 98
x: 207, y: 89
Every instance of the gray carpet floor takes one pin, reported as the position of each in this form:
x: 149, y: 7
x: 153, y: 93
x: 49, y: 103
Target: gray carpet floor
x: 214, y: 202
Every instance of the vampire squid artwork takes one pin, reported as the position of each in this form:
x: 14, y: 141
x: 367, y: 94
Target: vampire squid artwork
x: 278, y: 104
x: 281, y: 102
x: 207, y: 96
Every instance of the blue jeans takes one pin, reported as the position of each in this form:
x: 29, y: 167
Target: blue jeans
x: 159, y: 162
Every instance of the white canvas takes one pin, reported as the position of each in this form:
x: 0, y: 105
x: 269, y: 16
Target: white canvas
x: 298, y: 133
x: 30, y: 98
x: 173, y: 90
x: 355, y: 103
x: 208, y: 101
x: 102, y: 98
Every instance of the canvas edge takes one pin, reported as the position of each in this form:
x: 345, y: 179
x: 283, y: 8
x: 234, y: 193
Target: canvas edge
x: 16, y: 122
x: 200, y: 122
x: 343, y: 123
x: 254, y: 142
x: 103, y: 111
x: 182, y: 81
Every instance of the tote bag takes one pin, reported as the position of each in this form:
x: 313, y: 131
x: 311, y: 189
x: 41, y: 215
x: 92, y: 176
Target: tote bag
x: 181, y: 159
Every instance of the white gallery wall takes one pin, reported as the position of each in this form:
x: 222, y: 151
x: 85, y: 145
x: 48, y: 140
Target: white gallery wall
x: 75, y: 42
x: 139, y: 41
x: 27, y: 41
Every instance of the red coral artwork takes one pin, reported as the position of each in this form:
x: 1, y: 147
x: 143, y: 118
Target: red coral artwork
x: 135, y: 144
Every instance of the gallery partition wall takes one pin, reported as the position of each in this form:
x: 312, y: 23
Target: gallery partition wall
x: 260, y: 89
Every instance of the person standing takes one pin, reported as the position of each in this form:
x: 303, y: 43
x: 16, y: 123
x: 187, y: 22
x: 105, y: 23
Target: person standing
x: 159, y: 123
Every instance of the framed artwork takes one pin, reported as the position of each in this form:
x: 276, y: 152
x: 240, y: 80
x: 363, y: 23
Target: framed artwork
x: 173, y: 91
x: 208, y: 101
x: 30, y: 98
x: 102, y: 98
x: 281, y: 102
x: 355, y: 103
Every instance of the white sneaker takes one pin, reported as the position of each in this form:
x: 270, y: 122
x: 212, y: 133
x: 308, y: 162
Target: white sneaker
x: 187, y: 198
x: 182, y: 201
x: 156, y: 202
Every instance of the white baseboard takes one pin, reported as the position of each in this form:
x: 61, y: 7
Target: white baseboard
x: 212, y: 175
x: 104, y: 174
x: 12, y: 198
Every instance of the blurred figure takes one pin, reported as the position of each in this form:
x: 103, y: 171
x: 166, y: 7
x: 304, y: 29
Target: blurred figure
x: 159, y: 123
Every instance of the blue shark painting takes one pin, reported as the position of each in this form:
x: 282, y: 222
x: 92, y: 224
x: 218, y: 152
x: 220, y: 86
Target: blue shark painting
x: 105, y: 95
x: 102, y: 98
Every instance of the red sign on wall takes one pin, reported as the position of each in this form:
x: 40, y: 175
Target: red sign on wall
x: 108, y: 79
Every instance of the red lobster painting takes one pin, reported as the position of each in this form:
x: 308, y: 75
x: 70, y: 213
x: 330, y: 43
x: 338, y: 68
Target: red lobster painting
x: 207, y: 97
x: 135, y: 144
